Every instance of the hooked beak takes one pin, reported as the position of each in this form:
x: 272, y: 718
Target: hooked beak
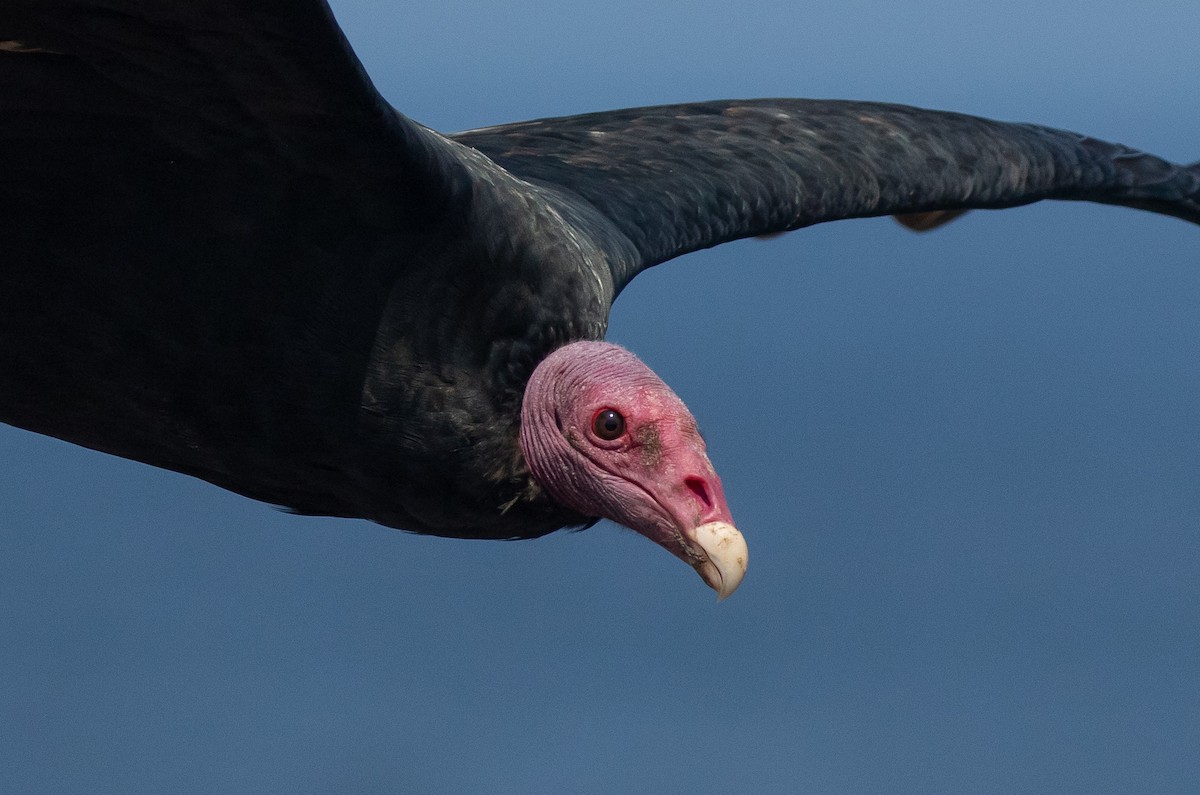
x: 723, y: 559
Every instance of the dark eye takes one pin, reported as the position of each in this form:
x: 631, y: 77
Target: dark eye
x: 609, y: 424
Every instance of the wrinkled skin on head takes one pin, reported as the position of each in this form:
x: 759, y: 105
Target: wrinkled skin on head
x: 603, y: 435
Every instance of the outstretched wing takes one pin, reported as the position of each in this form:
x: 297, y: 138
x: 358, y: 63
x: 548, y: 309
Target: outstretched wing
x: 677, y: 178
x: 201, y: 202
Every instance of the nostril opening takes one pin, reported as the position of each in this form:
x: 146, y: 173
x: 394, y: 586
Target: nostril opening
x: 699, y: 488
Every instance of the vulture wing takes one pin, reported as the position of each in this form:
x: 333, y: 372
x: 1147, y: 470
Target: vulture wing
x: 204, y: 205
x: 677, y: 178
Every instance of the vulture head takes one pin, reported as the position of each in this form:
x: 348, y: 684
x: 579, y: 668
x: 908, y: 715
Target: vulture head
x: 603, y: 435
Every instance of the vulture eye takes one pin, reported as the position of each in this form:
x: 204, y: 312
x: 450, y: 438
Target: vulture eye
x: 609, y: 424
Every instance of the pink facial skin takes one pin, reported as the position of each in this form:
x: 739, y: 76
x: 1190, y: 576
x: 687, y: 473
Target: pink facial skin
x: 643, y: 466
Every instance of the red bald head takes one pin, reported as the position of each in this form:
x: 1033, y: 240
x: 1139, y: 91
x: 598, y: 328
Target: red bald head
x: 603, y: 435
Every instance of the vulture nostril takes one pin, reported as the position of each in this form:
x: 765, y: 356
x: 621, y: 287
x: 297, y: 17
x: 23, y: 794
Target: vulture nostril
x: 699, y: 488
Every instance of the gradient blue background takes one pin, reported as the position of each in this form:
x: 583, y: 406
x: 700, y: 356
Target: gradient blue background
x: 966, y: 464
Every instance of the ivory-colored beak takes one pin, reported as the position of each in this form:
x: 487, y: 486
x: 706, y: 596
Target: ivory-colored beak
x: 726, y: 557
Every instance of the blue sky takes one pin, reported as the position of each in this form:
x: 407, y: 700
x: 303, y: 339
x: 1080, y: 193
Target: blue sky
x: 965, y: 462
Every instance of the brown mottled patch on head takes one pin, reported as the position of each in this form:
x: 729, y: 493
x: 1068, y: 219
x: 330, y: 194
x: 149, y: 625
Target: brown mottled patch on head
x: 650, y: 445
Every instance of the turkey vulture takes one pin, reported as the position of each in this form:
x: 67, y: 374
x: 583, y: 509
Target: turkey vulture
x: 225, y: 254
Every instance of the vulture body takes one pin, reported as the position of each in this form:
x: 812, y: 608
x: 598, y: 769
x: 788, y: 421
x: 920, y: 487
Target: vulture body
x: 225, y: 254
